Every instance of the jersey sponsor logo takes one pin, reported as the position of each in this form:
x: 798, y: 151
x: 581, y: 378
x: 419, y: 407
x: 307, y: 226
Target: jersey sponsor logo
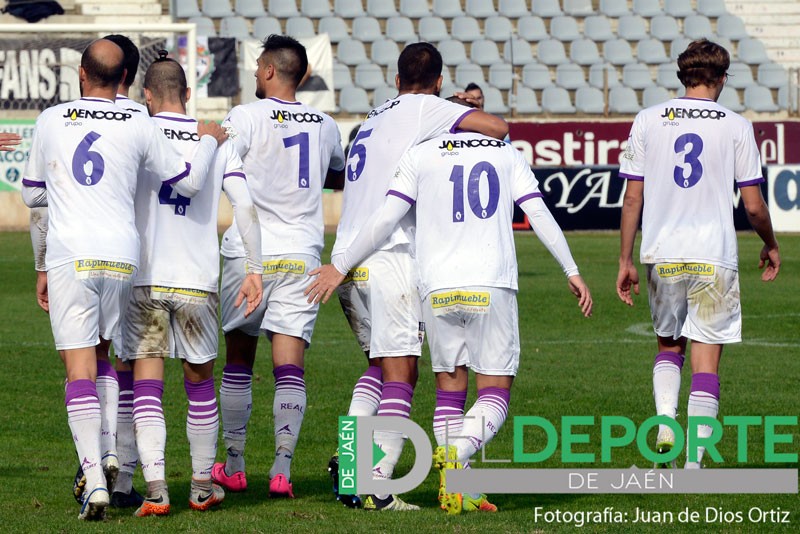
x: 117, y: 270
x: 359, y: 274
x: 74, y: 114
x: 282, y: 115
x: 693, y: 113
x: 468, y: 301
x: 454, y: 144
x: 674, y: 272
x: 180, y: 135
x: 284, y: 266
x: 385, y: 107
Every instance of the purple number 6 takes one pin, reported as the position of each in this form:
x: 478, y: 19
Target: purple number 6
x: 87, y: 165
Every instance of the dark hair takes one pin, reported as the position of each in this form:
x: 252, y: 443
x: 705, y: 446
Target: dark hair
x: 703, y: 63
x: 131, y: 53
x: 472, y: 87
x: 166, y: 79
x: 419, y: 66
x: 461, y: 101
x: 288, y: 57
x: 102, y: 70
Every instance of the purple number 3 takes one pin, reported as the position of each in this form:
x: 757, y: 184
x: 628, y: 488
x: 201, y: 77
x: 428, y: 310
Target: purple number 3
x: 87, y: 165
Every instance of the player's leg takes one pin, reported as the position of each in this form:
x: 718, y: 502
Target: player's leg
x: 396, y: 338
x: 151, y: 432
x: 668, y: 310
x: 235, y: 392
x: 202, y: 427
x: 714, y: 319
x: 448, y: 417
x: 125, y: 495
x: 288, y: 408
x: 108, y: 394
x: 195, y: 341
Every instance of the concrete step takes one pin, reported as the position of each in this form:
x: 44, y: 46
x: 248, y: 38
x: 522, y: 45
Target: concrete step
x: 120, y: 9
x: 766, y: 20
x: 133, y: 19
x: 764, y: 8
x: 773, y: 30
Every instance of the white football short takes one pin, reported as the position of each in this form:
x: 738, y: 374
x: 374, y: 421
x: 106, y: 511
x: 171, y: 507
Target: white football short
x: 381, y: 302
x: 86, y: 300
x: 473, y: 326
x: 162, y: 321
x: 699, y: 301
x: 284, y: 308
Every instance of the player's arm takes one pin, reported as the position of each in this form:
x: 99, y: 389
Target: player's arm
x: 211, y: 136
x: 38, y: 228
x: 34, y: 187
x: 484, y: 123
x: 551, y: 236
x: 251, y: 290
x: 8, y: 141
x: 628, y: 276
x: 758, y: 215
x: 34, y: 194
x: 375, y: 231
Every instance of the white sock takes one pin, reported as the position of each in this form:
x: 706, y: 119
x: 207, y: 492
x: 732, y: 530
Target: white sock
x: 83, y: 416
x: 483, y: 421
x: 703, y: 401
x: 151, y: 430
x: 395, y: 401
x: 108, y: 395
x: 126, y: 439
x: 202, y: 426
x: 288, y: 409
x: 667, y: 384
x: 448, y: 417
x: 236, y: 403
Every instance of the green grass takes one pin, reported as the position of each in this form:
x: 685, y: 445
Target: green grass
x: 569, y: 366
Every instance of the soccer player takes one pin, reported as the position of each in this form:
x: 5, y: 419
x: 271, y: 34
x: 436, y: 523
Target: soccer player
x: 131, y: 67
x: 173, y: 309
x: 288, y: 148
x: 464, y: 186
x: 83, y: 162
x: 380, y: 300
x: 474, y: 91
x: 681, y: 163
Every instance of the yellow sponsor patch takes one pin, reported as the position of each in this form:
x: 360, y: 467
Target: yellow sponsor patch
x: 359, y: 274
x: 118, y: 270
x: 284, y: 266
x: 470, y: 301
x: 673, y: 270
x: 178, y: 294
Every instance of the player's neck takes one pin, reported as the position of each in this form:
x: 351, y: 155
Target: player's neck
x: 282, y: 93
x: 170, y: 107
x: 91, y: 91
x: 703, y: 92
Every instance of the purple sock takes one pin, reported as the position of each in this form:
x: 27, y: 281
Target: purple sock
x: 496, y: 397
x: 80, y: 388
x: 706, y: 383
x: 396, y: 399
x: 367, y: 393
x: 106, y: 369
x: 447, y: 417
x: 671, y: 357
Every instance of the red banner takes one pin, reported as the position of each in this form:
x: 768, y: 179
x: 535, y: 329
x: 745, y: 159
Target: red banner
x: 585, y: 143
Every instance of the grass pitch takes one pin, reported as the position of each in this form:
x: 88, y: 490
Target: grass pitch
x: 569, y: 366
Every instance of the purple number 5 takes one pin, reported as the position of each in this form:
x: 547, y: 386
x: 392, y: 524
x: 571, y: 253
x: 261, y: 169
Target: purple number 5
x: 88, y: 165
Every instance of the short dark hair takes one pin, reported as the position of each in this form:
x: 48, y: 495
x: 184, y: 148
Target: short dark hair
x: 166, y: 79
x: 131, y: 56
x: 419, y: 66
x: 288, y: 57
x: 461, y: 101
x: 703, y: 63
x: 472, y: 86
x: 102, y: 70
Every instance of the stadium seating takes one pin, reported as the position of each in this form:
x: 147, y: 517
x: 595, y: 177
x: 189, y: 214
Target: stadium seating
x: 447, y: 8
x: 480, y: 9
x: 584, y: 52
x: 598, y: 28
x: 335, y: 27
x: 367, y: 29
x: 526, y: 101
x: 485, y: 52
x: 205, y: 26
x: 385, y: 52
x: 350, y: 51
x: 632, y: 28
x: 466, y: 29
x: 654, y: 95
x: 382, y: 94
x: 551, y: 52
x: 667, y: 76
x: 740, y: 75
x: 678, y: 8
x: 382, y: 9
x: 698, y: 27
x: 570, y: 76
x: 498, y: 28
x: 602, y: 74
x: 264, y: 26
x: 590, y: 100
x: 186, y: 9
x: 664, y: 28
x: 536, y: 76
x: 217, y: 8
x: 234, y: 26
x: 623, y: 99
x: 513, y: 8
x: 564, y: 28
x: 772, y: 75
x: 752, y: 51
x: 501, y: 75
x: 730, y: 99
x: 467, y: 73
x: 415, y: 9
x: 556, y: 100
x: 647, y: 8
x: 493, y: 101
x: 759, y: 99
x: 614, y: 8
x: 433, y: 29
x: 636, y: 76
x: 369, y: 76
x: 578, y: 8
x: 532, y: 29
x: 251, y: 9
x: 618, y: 52
x: 283, y: 9
x: 348, y: 9
x: 651, y: 51
x: 314, y: 8
x: 300, y: 27
x: 400, y: 29
x: 731, y: 27
x: 354, y: 100
x: 711, y: 8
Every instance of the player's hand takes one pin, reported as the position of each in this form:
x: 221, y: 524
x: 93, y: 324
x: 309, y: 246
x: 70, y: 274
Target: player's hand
x: 252, y: 290
x: 42, y: 298
x: 213, y: 129
x: 476, y: 103
x: 321, y: 288
x: 770, y: 261
x: 627, y: 278
x: 581, y: 290
x: 9, y: 140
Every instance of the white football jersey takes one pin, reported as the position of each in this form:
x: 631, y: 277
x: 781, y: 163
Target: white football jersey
x: 464, y: 186
x: 389, y: 132
x: 131, y: 105
x: 180, y: 247
x: 287, y: 149
x: 87, y: 153
x: 689, y: 152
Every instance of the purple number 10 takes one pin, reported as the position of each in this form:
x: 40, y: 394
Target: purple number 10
x: 473, y: 191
